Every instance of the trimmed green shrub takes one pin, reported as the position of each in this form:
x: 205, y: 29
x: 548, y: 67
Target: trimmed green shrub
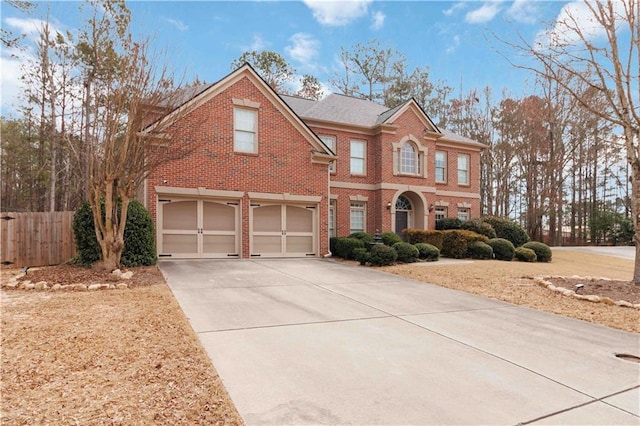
x: 448, y: 223
x: 543, y: 251
x: 479, y: 250
x: 382, y: 255
x: 85, y: 236
x: 139, y: 237
x: 346, y: 245
x: 332, y: 245
x: 407, y: 253
x: 479, y: 227
x: 363, y: 236
x: 361, y: 254
x: 415, y: 236
x: 525, y: 255
x: 427, y: 252
x: 502, y: 249
x: 455, y: 244
x: 507, y: 229
x: 390, y: 238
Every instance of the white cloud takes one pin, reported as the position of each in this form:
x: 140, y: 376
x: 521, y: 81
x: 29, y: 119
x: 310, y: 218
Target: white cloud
x: 181, y: 26
x: 455, y: 43
x: 337, y: 13
x: 303, y: 48
x: 483, y: 14
x: 257, y: 43
x: 453, y: 9
x: 524, y: 11
x: 10, y: 84
x: 378, y: 20
x: 574, y: 18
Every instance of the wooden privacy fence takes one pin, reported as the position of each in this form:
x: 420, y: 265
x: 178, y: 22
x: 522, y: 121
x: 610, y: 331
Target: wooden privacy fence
x: 36, y: 239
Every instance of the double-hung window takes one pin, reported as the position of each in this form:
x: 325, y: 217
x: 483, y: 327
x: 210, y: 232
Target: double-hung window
x: 441, y: 166
x: 463, y: 214
x: 245, y: 123
x: 441, y: 213
x: 463, y: 169
x: 409, y: 159
x: 332, y: 218
x: 330, y: 141
x: 358, y: 157
x: 358, y: 216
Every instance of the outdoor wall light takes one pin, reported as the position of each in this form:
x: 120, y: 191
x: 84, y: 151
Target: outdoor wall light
x: 431, y: 207
x: 389, y: 205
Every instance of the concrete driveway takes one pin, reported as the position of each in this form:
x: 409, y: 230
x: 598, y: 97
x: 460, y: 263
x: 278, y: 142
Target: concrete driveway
x: 311, y: 341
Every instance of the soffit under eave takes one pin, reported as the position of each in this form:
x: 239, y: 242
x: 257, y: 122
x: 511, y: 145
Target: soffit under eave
x: 474, y: 146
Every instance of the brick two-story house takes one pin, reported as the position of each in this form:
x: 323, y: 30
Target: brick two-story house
x: 278, y: 175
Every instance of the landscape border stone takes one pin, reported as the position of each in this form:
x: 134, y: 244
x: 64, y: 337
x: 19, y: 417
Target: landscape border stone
x: 544, y: 282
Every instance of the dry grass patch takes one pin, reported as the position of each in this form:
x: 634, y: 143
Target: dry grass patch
x: 512, y: 282
x: 107, y: 357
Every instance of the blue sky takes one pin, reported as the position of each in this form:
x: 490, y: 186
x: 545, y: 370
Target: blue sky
x: 454, y: 38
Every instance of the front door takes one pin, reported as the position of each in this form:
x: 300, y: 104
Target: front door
x: 402, y: 221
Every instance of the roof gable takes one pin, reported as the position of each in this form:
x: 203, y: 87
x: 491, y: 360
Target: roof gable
x: 203, y: 94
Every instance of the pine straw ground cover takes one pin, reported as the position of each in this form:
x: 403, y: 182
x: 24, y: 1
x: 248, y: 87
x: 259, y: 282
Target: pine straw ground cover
x: 104, y: 357
x: 513, y: 282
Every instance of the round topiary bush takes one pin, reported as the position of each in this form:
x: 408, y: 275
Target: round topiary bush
x: 525, y: 255
x: 479, y: 250
x: 479, y: 227
x: 407, y: 253
x: 381, y: 255
x: 139, y: 237
x: 361, y: 254
x: 390, y: 238
x: 507, y: 229
x: 427, y: 252
x: 454, y: 244
x: 363, y: 236
x: 502, y: 249
x: 346, y: 245
x: 448, y: 223
x: 543, y: 251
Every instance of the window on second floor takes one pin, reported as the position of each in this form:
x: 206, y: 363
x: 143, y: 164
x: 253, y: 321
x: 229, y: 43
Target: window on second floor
x: 358, y: 157
x: 441, y: 166
x: 409, y: 159
x: 463, y: 169
x: 330, y: 141
x: 245, y: 123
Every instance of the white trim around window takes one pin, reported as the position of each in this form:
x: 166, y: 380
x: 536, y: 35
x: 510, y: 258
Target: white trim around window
x: 409, y: 157
x: 330, y: 141
x: 463, y: 169
x: 358, y: 157
x: 245, y: 130
x: 357, y: 217
x: 441, y: 167
x: 463, y: 214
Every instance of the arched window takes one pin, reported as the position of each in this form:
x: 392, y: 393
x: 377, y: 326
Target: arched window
x: 408, y: 159
x: 403, y: 204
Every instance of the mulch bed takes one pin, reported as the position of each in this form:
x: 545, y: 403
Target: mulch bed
x: 615, y: 290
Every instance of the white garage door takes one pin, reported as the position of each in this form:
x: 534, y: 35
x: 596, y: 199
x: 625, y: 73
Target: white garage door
x: 279, y: 230
x: 198, y: 228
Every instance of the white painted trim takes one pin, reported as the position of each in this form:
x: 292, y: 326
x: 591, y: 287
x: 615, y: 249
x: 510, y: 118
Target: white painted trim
x: 284, y: 197
x: 361, y: 198
x: 247, y: 103
x: 198, y: 192
x: 458, y: 194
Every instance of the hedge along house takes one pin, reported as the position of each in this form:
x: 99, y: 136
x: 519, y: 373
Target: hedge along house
x: 395, y: 169
x: 276, y: 176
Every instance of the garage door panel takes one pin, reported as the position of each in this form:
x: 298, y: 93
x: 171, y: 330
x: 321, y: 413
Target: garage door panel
x: 219, y: 217
x: 180, y: 215
x: 179, y: 244
x: 299, y: 244
x: 267, y: 244
x: 299, y: 219
x: 219, y: 244
x: 267, y: 219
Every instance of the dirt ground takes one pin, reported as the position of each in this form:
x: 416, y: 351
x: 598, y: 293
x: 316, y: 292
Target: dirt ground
x: 116, y: 357
x: 513, y: 282
x: 131, y: 357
